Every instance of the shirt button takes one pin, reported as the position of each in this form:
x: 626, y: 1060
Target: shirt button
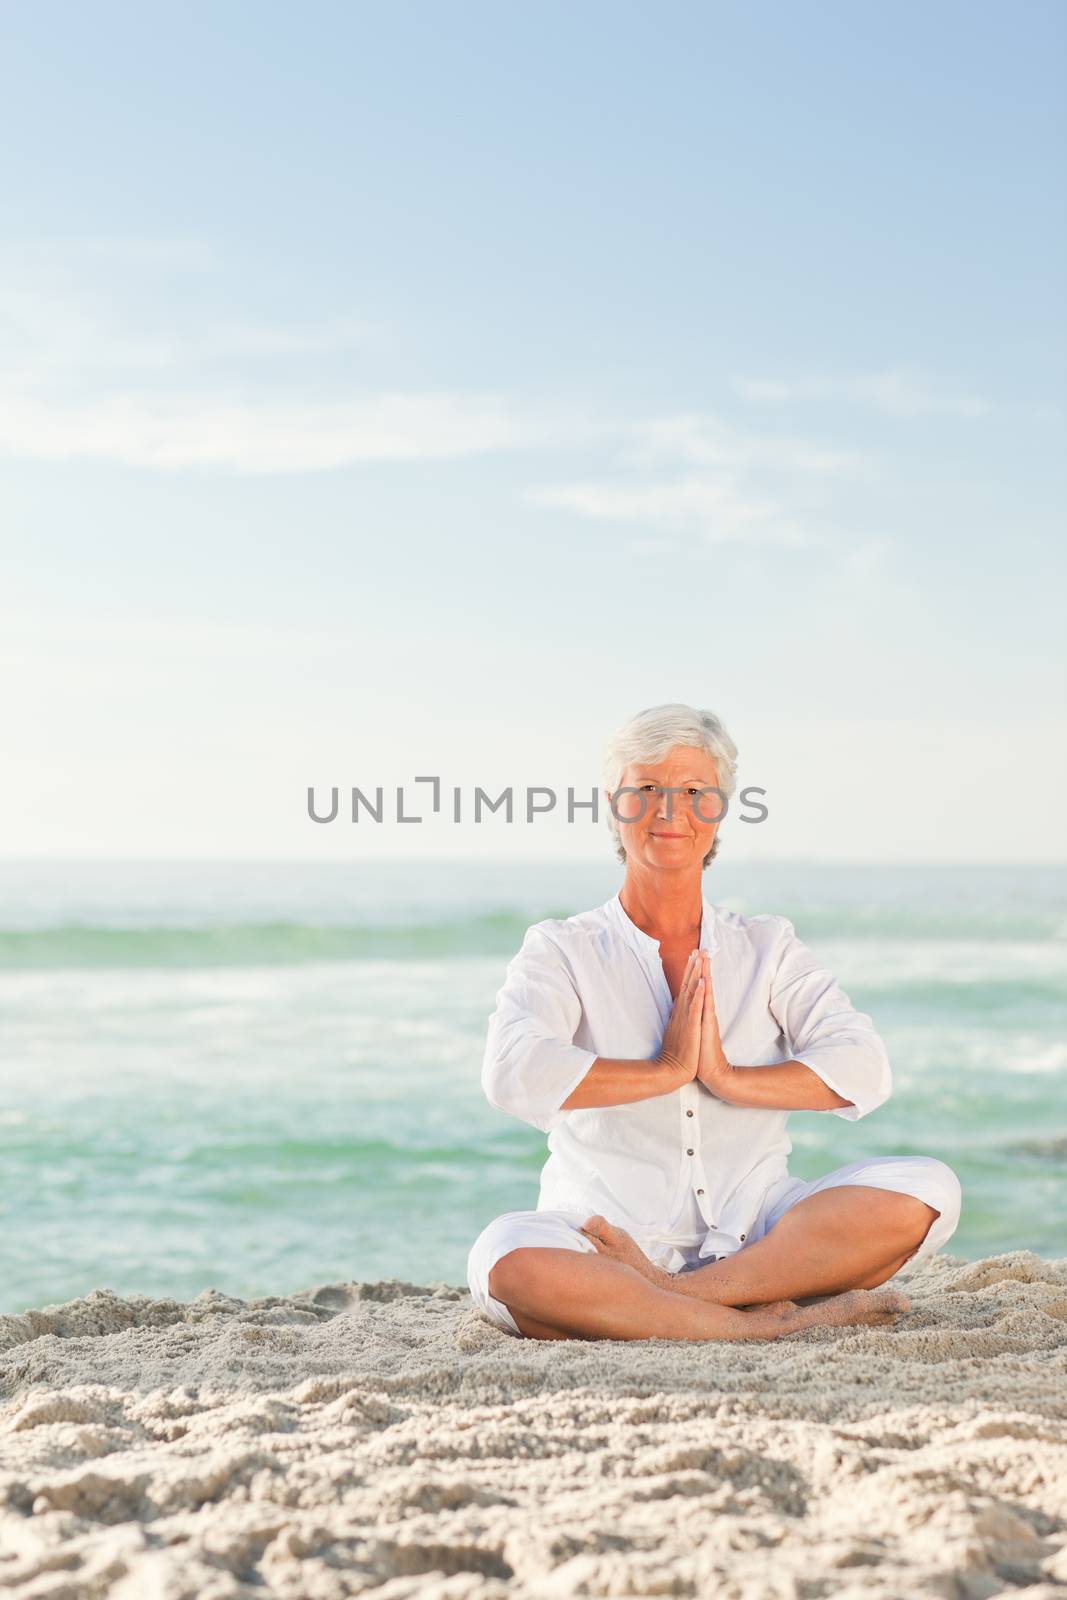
x: 700, y: 1191
x: 742, y: 1238
x: 689, y: 1152
x: 689, y: 1113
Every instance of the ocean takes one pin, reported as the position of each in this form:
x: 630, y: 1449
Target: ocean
x: 257, y: 1077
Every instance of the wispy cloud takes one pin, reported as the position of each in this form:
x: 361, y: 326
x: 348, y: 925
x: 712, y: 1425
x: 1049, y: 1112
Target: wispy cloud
x: 897, y: 392
x: 91, y: 370
x: 126, y: 351
x: 74, y: 339
x: 694, y: 474
x: 258, y: 436
x: 708, y: 441
x: 718, y: 511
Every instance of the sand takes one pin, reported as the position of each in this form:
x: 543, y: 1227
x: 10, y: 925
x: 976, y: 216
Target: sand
x: 385, y: 1438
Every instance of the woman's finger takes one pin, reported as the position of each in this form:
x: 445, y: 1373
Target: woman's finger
x: 689, y: 977
x: 691, y: 974
x: 708, y: 985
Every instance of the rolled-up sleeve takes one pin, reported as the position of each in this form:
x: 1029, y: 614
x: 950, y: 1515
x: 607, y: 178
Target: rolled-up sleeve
x: 825, y: 1031
x: 531, y: 1063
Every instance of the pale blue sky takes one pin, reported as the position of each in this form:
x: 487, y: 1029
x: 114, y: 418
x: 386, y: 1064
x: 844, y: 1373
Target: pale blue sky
x: 412, y: 387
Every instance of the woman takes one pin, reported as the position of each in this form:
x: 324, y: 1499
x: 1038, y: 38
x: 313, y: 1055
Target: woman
x: 661, y: 1042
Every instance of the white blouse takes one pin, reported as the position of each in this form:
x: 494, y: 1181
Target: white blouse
x: 680, y: 1168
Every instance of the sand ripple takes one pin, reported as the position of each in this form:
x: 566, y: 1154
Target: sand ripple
x: 385, y: 1438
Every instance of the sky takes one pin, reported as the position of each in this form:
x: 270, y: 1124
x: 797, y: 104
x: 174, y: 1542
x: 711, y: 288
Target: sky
x: 414, y: 389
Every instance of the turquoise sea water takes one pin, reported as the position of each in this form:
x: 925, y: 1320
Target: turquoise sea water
x: 259, y: 1077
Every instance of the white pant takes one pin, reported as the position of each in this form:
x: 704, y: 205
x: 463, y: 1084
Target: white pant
x: 924, y: 1177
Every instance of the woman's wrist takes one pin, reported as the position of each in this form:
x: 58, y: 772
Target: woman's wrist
x: 725, y: 1083
x: 674, y: 1070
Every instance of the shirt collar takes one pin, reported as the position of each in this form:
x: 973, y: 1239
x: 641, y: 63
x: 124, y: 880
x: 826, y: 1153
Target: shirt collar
x: 644, y: 943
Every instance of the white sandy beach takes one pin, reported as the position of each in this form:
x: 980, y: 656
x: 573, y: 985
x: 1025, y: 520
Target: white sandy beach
x: 386, y: 1438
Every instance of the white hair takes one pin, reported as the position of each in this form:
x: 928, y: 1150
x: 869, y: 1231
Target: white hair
x: 651, y: 734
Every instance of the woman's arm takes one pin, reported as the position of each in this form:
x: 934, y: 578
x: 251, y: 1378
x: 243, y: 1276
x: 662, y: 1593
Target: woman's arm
x: 783, y: 1086
x: 613, y: 1081
x: 534, y: 1070
x: 818, y: 1021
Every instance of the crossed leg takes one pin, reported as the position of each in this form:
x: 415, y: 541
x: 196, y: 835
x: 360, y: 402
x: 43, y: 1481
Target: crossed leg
x: 852, y: 1237
x: 563, y: 1294
x: 828, y: 1244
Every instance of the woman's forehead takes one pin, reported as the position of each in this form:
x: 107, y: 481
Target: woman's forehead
x: 697, y: 764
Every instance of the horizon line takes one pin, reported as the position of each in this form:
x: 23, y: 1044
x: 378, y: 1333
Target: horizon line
x: 510, y: 861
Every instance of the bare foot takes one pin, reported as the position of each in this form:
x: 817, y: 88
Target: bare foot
x: 621, y: 1246
x: 872, y: 1308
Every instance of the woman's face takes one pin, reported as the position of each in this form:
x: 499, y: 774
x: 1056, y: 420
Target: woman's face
x: 672, y: 819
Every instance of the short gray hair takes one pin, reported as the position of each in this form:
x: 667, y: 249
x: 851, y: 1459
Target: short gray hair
x: 651, y: 734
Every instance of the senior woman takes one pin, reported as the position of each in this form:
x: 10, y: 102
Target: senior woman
x: 661, y: 1042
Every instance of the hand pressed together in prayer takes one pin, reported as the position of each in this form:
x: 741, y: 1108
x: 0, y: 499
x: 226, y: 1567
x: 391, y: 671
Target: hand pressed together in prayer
x: 713, y: 1069
x: 691, y: 1044
x: 680, y: 1050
